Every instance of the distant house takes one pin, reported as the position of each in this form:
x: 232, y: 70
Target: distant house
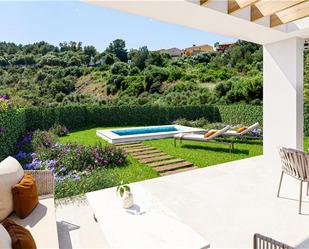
x: 197, y: 49
x: 223, y: 46
x: 173, y: 52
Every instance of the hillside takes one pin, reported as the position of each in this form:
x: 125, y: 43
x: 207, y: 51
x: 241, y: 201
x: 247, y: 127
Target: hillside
x: 42, y: 74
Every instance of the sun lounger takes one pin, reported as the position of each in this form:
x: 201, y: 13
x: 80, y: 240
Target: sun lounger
x: 202, y: 138
x: 233, y: 133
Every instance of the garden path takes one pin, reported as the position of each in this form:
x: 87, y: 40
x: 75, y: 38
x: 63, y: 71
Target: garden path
x: 161, y: 162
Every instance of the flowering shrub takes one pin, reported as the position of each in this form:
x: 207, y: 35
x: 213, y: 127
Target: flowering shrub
x: 59, y: 130
x: 24, y: 144
x: 67, y: 161
x: 5, y: 103
x: 43, y: 139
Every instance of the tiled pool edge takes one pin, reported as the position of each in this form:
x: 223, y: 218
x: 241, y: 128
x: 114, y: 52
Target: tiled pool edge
x: 113, y: 138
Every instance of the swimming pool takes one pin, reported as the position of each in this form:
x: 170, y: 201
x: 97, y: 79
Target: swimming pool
x: 144, y: 133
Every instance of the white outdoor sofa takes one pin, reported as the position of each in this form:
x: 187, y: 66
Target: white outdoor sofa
x: 42, y: 221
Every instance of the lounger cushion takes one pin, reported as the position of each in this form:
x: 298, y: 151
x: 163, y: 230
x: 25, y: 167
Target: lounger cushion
x: 241, y: 129
x: 210, y: 133
x: 21, y: 237
x: 25, y: 196
x: 5, y: 239
x: 11, y: 173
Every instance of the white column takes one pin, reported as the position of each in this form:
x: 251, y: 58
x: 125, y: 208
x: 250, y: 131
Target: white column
x: 283, y: 96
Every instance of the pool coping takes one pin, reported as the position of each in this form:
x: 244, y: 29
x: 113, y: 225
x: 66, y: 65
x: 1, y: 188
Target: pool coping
x: 113, y: 138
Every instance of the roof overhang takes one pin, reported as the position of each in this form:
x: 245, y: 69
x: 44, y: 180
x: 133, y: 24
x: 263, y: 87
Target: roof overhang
x: 191, y: 14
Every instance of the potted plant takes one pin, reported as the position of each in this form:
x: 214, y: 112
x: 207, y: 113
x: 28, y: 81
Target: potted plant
x: 124, y: 191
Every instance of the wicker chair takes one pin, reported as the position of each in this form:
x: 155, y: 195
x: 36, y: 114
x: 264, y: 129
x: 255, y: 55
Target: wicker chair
x: 263, y: 242
x: 296, y: 164
x: 44, y: 180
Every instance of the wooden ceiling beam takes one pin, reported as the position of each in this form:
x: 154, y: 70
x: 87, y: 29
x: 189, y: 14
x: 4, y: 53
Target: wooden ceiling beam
x: 235, y: 5
x: 203, y: 2
x: 268, y: 7
x: 291, y: 14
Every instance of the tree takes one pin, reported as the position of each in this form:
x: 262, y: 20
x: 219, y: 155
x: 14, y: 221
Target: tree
x: 90, y: 51
x: 117, y: 47
x: 138, y: 57
x: 120, y: 68
x: 156, y: 59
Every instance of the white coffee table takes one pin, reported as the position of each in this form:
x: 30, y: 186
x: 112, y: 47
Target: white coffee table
x: 146, y: 225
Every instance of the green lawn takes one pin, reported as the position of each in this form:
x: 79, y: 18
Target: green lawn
x: 199, y: 153
x: 306, y: 144
x: 207, y: 154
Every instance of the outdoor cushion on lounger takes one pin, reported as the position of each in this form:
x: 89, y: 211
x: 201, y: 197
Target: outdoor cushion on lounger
x: 238, y: 134
x: 198, y: 137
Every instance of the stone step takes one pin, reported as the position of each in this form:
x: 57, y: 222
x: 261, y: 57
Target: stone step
x: 130, y: 146
x: 150, y: 155
x: 142, y: 148
x: 173, y: 166
x: 171, y: 172
x: 128, y: 143
x: 161, y: 163
x: 147, y: 152
x: 155, y: 159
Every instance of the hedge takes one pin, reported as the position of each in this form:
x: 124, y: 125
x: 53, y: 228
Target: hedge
x: 75, y: 117
x: 12, y: 126
x: 241, y: 114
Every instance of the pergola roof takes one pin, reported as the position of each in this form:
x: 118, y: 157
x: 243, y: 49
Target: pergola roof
x: 259, y: 21
x: 278, y: 11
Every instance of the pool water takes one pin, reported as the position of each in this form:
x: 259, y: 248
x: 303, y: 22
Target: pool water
x: 144, y: 130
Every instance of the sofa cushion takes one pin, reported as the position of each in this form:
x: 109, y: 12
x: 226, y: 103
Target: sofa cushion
x: 25, y: 196
x: 5, y: 239
x: 11, y: 173
x: 21, y: 237
x: 41, y: 223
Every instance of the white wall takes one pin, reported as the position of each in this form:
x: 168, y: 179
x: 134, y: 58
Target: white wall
x: 283, y: 95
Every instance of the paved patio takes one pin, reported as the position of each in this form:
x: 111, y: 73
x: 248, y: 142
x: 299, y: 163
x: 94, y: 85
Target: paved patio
x: 226, y: 204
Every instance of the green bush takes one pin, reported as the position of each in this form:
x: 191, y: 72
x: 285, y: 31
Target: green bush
x: 241, y: 114
x: 12, y: 126
x: 43, y: 139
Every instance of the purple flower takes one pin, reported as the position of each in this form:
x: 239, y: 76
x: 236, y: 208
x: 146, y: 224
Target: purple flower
x: 75, y: 177
x: 20, y: 155
x: 256, y: 132
x: 2, y: 130
x: 33, y: 155
x: 62, y: 169
x: 35, y: 165
x: 51, y: 165
x: 66, y: 150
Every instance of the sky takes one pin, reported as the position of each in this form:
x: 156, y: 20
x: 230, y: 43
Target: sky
x: 25, y: 22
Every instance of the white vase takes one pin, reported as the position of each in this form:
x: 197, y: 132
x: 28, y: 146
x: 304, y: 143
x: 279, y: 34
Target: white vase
x: 127, y: 200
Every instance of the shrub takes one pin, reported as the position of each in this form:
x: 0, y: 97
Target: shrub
x: 198, y: 123
x: 182, y: 121
x: 59, y: 130
x: 5, y: 103
x: 12, y: 126
x: 120, y: 68
x: 72, y: 160
x: 43, y: 139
